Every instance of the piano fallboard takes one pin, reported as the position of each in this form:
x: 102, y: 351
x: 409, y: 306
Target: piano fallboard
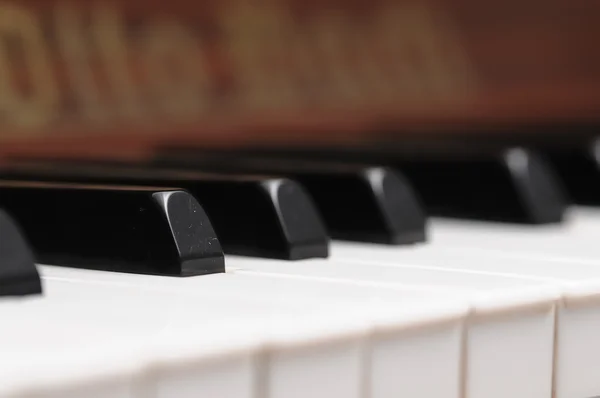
x: 117, y: 79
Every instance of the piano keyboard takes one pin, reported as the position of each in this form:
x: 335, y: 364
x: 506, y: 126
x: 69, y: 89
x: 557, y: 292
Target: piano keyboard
x: 158, y: 282
x: 299, y: 199
x: 459, y: 316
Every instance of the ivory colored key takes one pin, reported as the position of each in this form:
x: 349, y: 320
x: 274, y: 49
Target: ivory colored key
x: 177, y: 336
x: 511, y: 334
x: 76, y: 342
x: 407, y: 327
x: 511, y: 329
x: 574, y: 243
x: 565, y: 242
x: 577, y: 346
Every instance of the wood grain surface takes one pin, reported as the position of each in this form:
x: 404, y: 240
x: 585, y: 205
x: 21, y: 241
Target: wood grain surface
x: 118, y: 79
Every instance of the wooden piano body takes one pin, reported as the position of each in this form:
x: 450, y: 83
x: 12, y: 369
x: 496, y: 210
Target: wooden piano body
x: 122, y: 79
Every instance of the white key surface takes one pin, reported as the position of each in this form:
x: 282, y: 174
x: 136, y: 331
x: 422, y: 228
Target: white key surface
x: 573, y: 241
x: 106, y: 319
x: 174, y: 344
x: 578, y: 277
x: 409, y: 327
x: 511, y: 333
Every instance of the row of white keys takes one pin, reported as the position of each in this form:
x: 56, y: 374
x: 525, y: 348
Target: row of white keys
x: 87, y: 339
x: 335, y: 276
x: 510, y: 337
x: 411, y: 339
x: 90, y: 341
x: 578, y: 344
x: 524, y: 312
x: 515, y: 318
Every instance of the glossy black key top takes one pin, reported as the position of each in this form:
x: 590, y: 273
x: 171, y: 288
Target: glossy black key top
x: 128, y: 229
x: 515, y: 186
x: 18, y: 273
x: 579, y: 170
x: 357, y: 202
x: 371, y: 205
x: 270, y: 217
x: 253, y: 216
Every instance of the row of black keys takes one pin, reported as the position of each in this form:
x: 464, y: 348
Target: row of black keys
x: 184, y: 225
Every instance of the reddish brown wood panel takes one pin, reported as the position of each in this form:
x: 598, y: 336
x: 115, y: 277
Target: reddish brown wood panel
x: 116, y: 78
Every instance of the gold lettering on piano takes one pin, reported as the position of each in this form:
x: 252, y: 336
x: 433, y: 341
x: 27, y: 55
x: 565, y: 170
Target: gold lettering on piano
x: 109, y: 67
x: 38, y: 107
x: 404, y: 54
x: 255, y: 41
x: 424, y: 50
x: 177, y: 75
x: 74, y: 47
x: 333, y: 42
x: 113, y: 51
x: 402, y: 32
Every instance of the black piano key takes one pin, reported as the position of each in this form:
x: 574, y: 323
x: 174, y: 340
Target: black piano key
x: 579, y: 170
x: 372, y: 205
x: 515, y: 186
x: 18, y: 273
x: 137, y: 230
x: 253, y: 216
x: 272, y: 218
x: 357, y: 202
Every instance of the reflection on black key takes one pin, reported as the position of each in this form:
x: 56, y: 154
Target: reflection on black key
x: 372, y: 205
x: 139, y: 230
x: 267, y: 218
x: 357, y: 202
x: 579, y: 170
x: 18, y: 273
x: 517, y: 186
x: 253, y: 216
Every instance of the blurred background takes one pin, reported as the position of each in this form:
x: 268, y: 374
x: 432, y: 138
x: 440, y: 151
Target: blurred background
x: 128, y: 79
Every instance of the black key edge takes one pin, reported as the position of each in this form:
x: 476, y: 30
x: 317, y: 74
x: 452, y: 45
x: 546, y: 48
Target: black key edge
x: 514, y: 186
x: 540, y: 189
x: 401, y: 208
x: 270, y: 218
x: 18, y: 273
x: 373, y: 205
x: 199, y: 248
x: 579, y: 170
x: 244, y: 210
x: 299, y: 220
x: 131, y: 230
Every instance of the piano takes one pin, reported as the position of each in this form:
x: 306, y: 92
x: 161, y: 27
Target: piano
x: 285, y: 198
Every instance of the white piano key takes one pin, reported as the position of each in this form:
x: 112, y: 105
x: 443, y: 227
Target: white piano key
x: 52, y: 348
x: 577, y: 349
x: 191, y: 362
x: 466, y: 258
x: 415, y: 342
x: 569, y: 253
x: 585, y: 220
x: 512, y: 334
x: 572, y: 241
x: 68, y: 372
x: 415, y: 346
x: 177, y: 336
x: 67, y: 346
